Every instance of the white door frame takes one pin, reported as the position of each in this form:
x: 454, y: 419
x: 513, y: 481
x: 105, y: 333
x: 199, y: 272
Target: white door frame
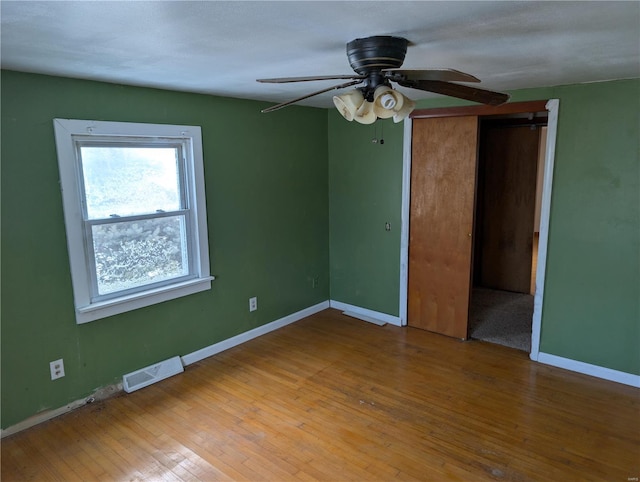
x: 552, y: 107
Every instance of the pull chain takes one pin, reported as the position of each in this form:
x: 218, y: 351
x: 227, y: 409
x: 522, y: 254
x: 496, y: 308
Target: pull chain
x: 375, y: 139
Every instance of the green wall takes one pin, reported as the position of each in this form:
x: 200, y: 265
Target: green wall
x: 591, y: 307
x: 266, y: 185
x: 365, y: 191
x: 292, y: 195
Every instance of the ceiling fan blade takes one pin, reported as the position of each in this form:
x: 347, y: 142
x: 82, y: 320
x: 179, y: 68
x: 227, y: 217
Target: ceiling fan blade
x: 283, y: 80
x: 447, y: 75
x: 460, y: 91
x: 284, y: 104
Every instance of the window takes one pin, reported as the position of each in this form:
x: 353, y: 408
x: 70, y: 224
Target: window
x: 134, y: 207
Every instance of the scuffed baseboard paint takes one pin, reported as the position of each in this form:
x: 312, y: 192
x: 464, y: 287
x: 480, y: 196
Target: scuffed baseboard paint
x: 108, y: 391
x: 100, y: 394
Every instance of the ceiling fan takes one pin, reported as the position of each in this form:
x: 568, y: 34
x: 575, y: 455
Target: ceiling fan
x: 376, y: 61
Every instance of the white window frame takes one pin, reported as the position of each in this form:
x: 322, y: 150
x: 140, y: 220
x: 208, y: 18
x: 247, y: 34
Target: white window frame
x: 69, y: 133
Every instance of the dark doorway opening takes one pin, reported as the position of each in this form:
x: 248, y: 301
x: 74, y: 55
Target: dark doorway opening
x: 506, y: 228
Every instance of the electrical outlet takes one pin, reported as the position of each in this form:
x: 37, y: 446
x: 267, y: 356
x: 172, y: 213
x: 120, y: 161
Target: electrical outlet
x: 253, y: 304
x: 57, y: 369
x: 315, y: 282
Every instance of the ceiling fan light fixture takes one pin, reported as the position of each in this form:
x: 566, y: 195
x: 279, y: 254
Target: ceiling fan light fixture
x: 365, y: 113
x: 407, y: 107
x: 348, y: 104
x: 386, y: 101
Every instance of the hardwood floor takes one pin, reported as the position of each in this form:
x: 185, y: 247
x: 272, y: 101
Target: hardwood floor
x: 334, y: 398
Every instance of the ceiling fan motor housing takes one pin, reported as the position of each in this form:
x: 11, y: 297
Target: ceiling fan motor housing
x: 369, y: 56
x: 372, y: 54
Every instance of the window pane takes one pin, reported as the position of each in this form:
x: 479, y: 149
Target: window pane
x: 126, y: 181
x: 136, y: 253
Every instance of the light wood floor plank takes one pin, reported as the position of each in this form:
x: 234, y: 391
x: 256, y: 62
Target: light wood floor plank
x: 332, y: 398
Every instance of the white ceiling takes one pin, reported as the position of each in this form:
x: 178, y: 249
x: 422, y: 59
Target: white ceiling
x: 221, y: 47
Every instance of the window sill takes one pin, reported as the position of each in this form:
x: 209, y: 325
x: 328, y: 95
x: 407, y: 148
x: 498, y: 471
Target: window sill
x: 102, y: 309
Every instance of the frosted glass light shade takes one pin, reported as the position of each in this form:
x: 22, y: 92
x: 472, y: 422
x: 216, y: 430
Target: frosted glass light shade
x: 348, y: 104
x: 407, y: 106
x: 365, y: 113
x: 386, y: 102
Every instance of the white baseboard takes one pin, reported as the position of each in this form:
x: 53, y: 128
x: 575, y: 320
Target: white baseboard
x: 588, y: 369
x: 369, y: 319
x: 46, y: 415
x: 548, y: 359
x: 41, y: 417
x: 338, y: 305
x: 249, y: 335
x: 186, y: 360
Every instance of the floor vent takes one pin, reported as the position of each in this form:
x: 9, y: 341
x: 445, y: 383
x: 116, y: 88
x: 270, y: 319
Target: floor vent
x: 146, y: 376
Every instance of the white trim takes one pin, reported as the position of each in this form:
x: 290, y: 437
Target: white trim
x: 95, y: 311
x: 369, y: 319
x: 546, y: 358
x: 339, y: 305
x: 552, y: 127
x: 552, y: 107
x: 186, y: 360
x: 42, y: 417
x: 404, y: 220
x: 47, y: 415
x: 251, y: 334
x: 588, y: 369
x: 545, y: 209
x: 67, y: 132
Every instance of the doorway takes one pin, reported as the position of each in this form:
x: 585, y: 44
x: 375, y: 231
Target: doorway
x: 551, y: 107
x: 506, y: 232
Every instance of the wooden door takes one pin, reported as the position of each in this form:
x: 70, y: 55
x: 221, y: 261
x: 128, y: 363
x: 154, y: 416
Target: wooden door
x: 443, y: 178
x: 508, y: 159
